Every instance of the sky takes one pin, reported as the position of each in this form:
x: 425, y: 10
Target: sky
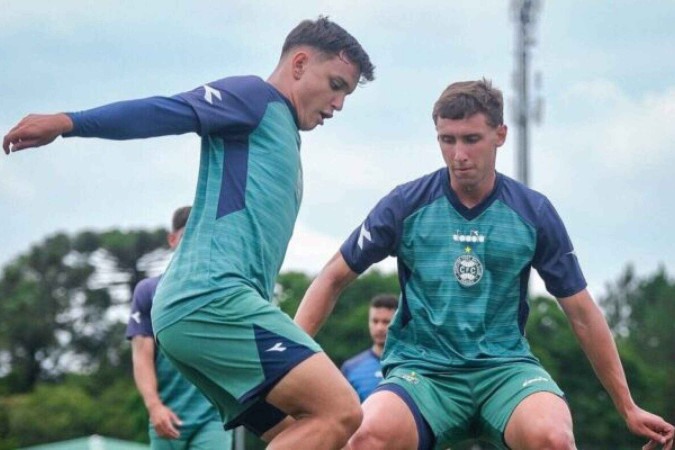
x: 603, y: 153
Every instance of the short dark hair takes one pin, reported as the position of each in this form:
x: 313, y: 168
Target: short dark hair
x: 331, y: 39
x: 463, y: 99
x: 180, y: 218
x: 389, y: 301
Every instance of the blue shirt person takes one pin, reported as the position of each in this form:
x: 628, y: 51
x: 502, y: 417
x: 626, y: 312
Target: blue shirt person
x: 364, y: 371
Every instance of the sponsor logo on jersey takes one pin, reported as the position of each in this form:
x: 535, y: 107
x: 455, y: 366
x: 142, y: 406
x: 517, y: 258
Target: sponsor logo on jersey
x: 473, y: 236
x: 136, y: 316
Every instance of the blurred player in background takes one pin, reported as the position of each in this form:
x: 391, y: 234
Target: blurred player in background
x: 181, y: 418
x: 364, y: 371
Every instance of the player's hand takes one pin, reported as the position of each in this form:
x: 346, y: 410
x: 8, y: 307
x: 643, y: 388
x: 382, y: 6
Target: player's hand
x: 658, y: 431
x: 165, y: 422
x: 36, y: 130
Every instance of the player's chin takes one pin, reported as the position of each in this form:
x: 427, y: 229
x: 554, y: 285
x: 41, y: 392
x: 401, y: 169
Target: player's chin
x: 308, y: 126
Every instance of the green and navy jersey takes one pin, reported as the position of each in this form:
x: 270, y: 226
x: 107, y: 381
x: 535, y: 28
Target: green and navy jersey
x: 248, y: 192
x: 248, y: 197
x: 464, y: 272
x: 177, y: 393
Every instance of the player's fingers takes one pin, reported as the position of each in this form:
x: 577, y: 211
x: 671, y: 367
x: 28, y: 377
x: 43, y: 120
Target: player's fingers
x: 175, y: 419
x: 10, y: 139
x: 651, y: 445
x: 172, y: 431
x: 166, y: 429
x: 26, y: 143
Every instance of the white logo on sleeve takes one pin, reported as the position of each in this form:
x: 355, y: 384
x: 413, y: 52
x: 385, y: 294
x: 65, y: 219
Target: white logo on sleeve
x: 136, y: 316
x: 364, y: 234
x: 278, y: 347
x: 209, y: 93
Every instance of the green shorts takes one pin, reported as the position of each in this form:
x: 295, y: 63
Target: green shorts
x: 235, y: 349
x: 471, y: 403
x: 209, y: 437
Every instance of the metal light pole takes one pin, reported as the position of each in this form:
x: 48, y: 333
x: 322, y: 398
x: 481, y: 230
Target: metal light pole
x: 524, y: 14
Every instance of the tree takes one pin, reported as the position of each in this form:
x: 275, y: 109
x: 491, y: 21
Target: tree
x: 61, y: 305
x: 641, y: 315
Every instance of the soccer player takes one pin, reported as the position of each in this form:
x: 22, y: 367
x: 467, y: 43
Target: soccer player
x: 457, y: 364
x: 211, y: 313
x: 181, y: 418
x: 364, y: 371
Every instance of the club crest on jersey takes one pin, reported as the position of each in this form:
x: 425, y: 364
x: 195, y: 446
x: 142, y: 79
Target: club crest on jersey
x: 468, y: 269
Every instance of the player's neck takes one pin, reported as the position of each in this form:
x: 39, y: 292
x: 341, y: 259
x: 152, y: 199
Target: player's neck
x: 472, y: 195
x: 377, y: 349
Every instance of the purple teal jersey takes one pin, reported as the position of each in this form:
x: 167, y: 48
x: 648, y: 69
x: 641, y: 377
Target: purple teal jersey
x: 464, y: 272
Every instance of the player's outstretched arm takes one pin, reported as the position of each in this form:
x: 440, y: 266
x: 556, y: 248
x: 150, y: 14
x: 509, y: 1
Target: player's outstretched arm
x: 595, y: 338
x: 322, y: 294
x: 36, y: 130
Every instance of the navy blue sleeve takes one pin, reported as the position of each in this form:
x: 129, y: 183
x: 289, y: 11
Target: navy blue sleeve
x: 139, y: 320
x: 232, y: 106
x: 554, y: 258
x: 377, y: 237
x: 135, y: 119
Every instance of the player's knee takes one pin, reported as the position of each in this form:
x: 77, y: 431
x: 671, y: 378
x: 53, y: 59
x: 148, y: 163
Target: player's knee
x: 553, y: 438
x: 368, y: 437
x: 350, y: 419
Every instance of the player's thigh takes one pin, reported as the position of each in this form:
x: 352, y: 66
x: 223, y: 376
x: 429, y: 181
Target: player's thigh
x: 236, y: 349
x: 503, y: 393
x: 442, y: 405
x: 316, y: 387
x: 388, y: 423
x: 542, y: 418
x: 212, y: 436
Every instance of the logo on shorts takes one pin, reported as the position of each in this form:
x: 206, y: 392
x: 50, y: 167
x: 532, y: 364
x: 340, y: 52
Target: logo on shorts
x: 278, y: 347
x: 468, y: 269
x: 411, y: 378
x: 136, y: 316
x: 534, y: 380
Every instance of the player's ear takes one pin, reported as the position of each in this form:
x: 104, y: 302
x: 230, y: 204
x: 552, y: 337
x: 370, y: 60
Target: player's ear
x: 172, y: 239
x: 501, y: 134
x: 299, y: 63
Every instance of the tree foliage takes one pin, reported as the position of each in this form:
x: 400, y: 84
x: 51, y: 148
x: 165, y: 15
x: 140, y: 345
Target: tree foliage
x: 59, y: 305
